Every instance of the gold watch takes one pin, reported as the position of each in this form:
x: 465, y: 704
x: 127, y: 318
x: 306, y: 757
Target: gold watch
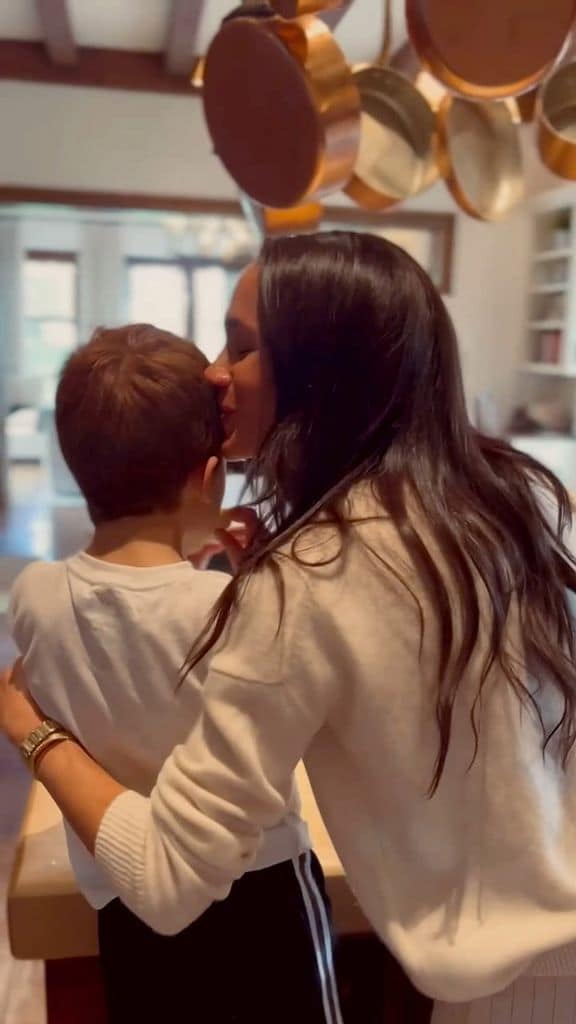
x: 47, y: 733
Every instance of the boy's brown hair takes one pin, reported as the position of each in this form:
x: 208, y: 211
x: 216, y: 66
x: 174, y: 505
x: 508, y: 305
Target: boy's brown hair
x: 135, y: 417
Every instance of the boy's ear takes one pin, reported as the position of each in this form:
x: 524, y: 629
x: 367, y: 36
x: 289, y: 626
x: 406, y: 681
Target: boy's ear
x: 213, y: 471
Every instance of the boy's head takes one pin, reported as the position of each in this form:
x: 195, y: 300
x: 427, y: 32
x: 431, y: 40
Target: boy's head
x: 136, y: 421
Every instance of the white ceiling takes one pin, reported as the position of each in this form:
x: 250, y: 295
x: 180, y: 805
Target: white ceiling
x: 142, y: 24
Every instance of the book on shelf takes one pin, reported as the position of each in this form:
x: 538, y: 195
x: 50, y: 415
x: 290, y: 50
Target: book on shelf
x: 548, y: 347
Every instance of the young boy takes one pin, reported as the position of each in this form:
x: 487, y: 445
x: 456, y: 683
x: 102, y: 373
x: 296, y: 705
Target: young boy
x: 140, y: 431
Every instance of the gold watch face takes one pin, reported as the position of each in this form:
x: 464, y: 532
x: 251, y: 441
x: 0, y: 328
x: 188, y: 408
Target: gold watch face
x: 44, y: 730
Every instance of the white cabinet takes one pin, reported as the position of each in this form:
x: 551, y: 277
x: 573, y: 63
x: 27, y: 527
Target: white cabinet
x: 553, y: 451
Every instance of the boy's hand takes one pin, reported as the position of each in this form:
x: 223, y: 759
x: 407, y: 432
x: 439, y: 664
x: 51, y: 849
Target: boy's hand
x: 19, y: 714
x: 237, y: 539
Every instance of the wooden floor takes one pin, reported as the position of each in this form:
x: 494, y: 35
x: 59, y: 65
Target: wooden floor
x: 35, y: 527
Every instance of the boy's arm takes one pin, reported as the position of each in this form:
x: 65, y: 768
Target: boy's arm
x: 18, y: 620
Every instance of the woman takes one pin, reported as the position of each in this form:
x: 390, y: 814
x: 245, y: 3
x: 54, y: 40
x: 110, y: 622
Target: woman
x: 401, y: 623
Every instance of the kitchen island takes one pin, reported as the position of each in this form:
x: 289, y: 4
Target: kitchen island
x: 50, y: 920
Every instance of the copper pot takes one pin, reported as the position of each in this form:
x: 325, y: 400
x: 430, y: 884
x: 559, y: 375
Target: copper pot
x: 489, y: 49
x: 556, y: 114
x: 296, y: 8
x: 481, y: 158
x: 282, y: 108
x: 398, y: 145
x: 294, y: 221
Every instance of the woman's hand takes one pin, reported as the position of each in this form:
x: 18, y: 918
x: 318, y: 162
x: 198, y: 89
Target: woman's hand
x: 19, y: 714
x: 237, y: 539
x: 201, y: 559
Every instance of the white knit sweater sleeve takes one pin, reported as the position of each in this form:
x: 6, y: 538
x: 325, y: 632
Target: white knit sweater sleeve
x: 171, y: 856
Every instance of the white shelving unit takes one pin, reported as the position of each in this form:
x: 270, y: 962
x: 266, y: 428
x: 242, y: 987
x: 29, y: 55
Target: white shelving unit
x: 550, y: 370
x: 549, y: 289
x: 548, y: 375
x: 552, y: 254
x: 551, y: 328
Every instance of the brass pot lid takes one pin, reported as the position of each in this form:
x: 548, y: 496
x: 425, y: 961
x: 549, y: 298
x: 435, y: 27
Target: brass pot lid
x: 398, y: 152
x: 556, y: 113
x: 489, y: 49
x: 282, y: 109
x: 481, y: 156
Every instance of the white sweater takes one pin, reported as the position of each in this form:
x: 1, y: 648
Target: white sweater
x: 103, y: 646
x: 466, y: 888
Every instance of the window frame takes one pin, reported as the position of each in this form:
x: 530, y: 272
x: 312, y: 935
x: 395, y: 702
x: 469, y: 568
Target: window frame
x: 188, y: 264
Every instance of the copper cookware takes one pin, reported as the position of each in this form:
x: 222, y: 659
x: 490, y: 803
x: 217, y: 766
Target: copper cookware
x: 296, y: 8
x: 282, y: 108
x: 556, y: 113
x: 489, y: 49
x: 480, y: 156
x: 398, y: 145
x: 406, y: 61
x: 526, y: 106
x: 293, y: 221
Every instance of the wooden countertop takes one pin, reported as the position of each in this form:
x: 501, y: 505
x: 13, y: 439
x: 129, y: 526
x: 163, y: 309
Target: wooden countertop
x: 49, y: 919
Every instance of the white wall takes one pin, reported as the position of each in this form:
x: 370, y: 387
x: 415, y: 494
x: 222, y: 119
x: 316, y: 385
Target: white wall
x: 488, y: 304
x: 95, y: 139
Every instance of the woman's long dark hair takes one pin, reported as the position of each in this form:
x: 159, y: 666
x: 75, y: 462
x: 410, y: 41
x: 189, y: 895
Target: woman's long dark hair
x: 368, y: 386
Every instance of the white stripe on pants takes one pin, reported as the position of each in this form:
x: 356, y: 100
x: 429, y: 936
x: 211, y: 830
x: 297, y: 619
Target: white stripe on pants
x: 321, y: 937
x: 526, y: 1001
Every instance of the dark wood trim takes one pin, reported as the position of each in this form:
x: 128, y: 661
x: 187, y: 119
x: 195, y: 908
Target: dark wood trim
x: 96, y: 68
x: 57, y: 31
x: 442, y: 225
x: 51, y: 255
x: 188, y: 263
x: 181, y: 51
x: 119, y: 201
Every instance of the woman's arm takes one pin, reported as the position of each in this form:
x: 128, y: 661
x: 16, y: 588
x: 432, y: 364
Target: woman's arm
x: 62, y: 764
x: 169, y: 857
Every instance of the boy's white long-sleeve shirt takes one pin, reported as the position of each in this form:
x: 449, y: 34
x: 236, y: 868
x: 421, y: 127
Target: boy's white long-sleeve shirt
x: 103, y: 648
x: 467, y: 888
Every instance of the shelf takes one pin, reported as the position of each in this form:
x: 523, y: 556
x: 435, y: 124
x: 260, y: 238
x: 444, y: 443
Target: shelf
x: 552, y: 254
x: 550, y: 289
x: 546, y: 325
x: 550, y: 369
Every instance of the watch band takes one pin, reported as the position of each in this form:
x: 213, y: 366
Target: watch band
x: 41, y: 737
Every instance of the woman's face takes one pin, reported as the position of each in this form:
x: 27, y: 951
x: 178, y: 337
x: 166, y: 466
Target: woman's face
x: 244, y: 384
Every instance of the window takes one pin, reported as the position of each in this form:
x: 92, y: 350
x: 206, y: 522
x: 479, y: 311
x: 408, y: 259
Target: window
x: 50, y: 313
x: 159, y: 296
x: 185, y: 296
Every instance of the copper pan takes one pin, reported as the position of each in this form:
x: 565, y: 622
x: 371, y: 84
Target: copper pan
x: 481, y: 157
x: 407, y: 63
x: 526, y: 106
x: 294, y: 221
x: 281, y: 107
x: 556, y: 114
x: 296, y: 8
x: 398, y: 146
x: 489, y: 49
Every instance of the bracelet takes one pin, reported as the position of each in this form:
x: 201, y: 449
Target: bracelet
x: 40, y: 738
x: 55, y: 737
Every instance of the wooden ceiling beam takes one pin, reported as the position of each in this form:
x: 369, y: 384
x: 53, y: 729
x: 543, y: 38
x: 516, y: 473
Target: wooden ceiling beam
x: 181, y: 43
x: 57, y: 31
x: 97, y: 68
